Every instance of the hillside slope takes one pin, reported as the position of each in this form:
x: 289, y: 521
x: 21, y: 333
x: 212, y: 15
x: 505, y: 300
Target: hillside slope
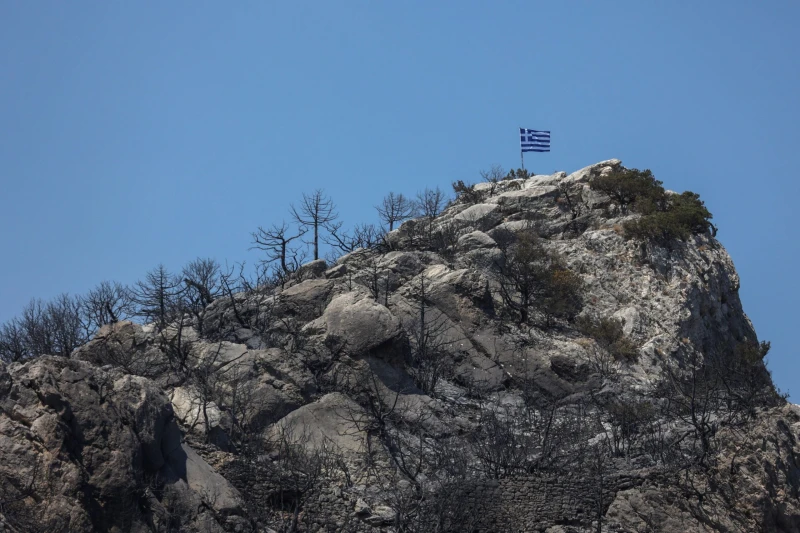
x: 517, y: 363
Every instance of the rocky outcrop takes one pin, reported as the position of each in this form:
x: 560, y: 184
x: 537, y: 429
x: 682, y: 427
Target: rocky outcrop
x: 90, y: 450
x: 306, y: 300
x: 398, y: 386
x: 758, y: 468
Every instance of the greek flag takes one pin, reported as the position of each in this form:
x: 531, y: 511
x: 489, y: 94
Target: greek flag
x: 534, y: 140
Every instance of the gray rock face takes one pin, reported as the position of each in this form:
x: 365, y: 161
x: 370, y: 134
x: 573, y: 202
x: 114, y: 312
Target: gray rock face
x: 333, y: 419
x: 83, y: 439
x: 126, y: 345
x: 306, y: 300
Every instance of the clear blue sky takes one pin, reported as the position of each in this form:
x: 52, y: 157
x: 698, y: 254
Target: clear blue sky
x: 133, y: 133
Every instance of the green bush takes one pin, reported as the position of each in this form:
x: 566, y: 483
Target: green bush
x: 466, y: 192
x: 631, y: 187
x: 684, y: 216
x: 535, y: 282
x: 665, y: 217
x: 563, y: 294
x: 609, y: 335
x: 520, y: 173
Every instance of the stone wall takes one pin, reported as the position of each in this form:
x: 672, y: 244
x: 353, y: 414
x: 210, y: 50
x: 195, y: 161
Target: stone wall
x: 536, y: 503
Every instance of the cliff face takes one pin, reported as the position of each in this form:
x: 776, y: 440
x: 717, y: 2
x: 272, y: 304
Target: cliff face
x: 514, y: 364
x: 84, y: 449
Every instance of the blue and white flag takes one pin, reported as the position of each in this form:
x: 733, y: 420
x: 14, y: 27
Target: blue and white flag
x: 534, y: 140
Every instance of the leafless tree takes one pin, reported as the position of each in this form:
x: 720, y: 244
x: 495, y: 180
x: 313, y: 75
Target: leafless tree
x: 421, y: 482
x: 244, y: 402
x: 444, y: 239
x: 59, y: 324
x: 44, y: 328
x: 247, y: 297
x: 430, y: 202
x: 572, y: 201
x: 19, y: 498
x: 202, y: 277
x: 208, y: 376
x: 276, y: 242
x: 107, y: 303
x: 228, y: 280
x: 695, y: 398
x: 626, y: 420
x: 361, y: 236
x: 157, y: 296
x: 744, y: 377
x: 493, y: 176
x: 598, y: 466
x: 395, y: 208
x: 434, y: 503
x: 13, y: 345
x: 203, y: 286
x: 428, y: 335
x: 315, y: 211
x: 149, y: 362
x: 37, y: 330
x: 375, y: 416
x: 501, y: 444
x: 531, y: 436
x: 64, y: 315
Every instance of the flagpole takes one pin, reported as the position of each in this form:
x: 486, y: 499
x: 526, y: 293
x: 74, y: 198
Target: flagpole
x: 522, y: 158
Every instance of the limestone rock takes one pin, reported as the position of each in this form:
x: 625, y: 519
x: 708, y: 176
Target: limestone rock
x: 98, y: 437
x: 382, y: 515
x: 336, y: 272
x: 127, y: 345
x: 306, y: 300
x: 475, y: 241
x: 481, y: 214
x: 312, y: 270
x: 363, y: 324
x: 334, y: 418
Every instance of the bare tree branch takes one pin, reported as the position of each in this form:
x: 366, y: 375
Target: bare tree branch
x: 315, y: 211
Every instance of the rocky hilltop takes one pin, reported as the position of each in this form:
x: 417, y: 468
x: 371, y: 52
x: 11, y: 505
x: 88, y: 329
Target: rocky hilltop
x: 548, y: 353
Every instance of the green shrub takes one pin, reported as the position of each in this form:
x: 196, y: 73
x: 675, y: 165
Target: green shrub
x: 520, y: 173
x: 535, y: 282
x: 665, y: 217
x: 629, y: 187
x: 563, y: 294
x: 751, y: 353
x: 466, y: 193
x: 609, y: 335
x: 685, y: 215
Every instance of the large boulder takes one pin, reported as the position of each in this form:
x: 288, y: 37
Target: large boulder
x: 363, y: 325
x: 333, y: 419
x: 479, y: 215
x: 312, y: 270
x: 306, y: 300
x: 476, y: 240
